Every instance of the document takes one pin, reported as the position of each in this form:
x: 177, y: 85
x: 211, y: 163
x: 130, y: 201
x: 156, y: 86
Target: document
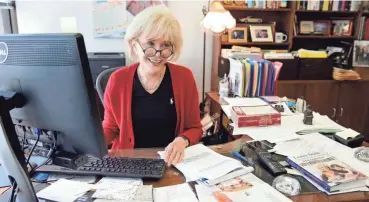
x: 245, y: 101
x: 317, y: 142
x: 243, y: 188
x: 87, y: 179
x: 64, y: 190
x: 144, y: 194
x: 290, y: 124
x: 114, y: 188
x: 176, y: 193
x: 200, y: 162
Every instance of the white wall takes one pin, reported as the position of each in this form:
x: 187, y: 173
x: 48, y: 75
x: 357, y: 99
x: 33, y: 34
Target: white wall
x: 40, y: 16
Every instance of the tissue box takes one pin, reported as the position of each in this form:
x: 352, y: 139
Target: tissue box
x: 248, y: 116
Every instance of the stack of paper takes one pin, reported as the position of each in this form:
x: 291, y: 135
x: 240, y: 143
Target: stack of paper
x: 87, y: 179
x: 202, y: 163
x: 64, y: 190
x: 243, y: 188
x: 144, y: 194
x: 288, y: 128
x: 111, y: 188
x: 316, y: 142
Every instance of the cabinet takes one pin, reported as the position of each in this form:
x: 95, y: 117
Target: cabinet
x: 345, y: 102
x: 352, y: 107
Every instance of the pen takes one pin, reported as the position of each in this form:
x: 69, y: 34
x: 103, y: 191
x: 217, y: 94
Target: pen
x: 242, y: 158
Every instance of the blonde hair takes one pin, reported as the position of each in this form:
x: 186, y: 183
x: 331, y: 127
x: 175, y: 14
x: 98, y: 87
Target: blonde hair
x: 153, y: 23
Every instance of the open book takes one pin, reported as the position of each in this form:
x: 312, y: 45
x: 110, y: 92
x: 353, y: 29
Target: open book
x: 202, y: 163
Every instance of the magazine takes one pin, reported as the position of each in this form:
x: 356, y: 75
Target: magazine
x: 327, y: 171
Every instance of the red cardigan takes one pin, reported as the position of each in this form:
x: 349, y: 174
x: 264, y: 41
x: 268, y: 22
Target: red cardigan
x: 118, y: 100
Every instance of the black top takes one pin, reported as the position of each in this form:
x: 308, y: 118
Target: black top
x: 154, y: 115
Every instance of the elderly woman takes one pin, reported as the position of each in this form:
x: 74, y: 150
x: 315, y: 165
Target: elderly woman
x: 153, y: 103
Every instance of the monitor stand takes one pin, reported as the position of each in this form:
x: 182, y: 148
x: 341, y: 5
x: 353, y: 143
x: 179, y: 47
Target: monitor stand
x: 11, y: 155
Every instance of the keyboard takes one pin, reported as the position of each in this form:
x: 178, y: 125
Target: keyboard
x: 115, y: 167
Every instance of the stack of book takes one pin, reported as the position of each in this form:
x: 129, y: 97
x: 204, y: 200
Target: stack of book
x: 328, y: 5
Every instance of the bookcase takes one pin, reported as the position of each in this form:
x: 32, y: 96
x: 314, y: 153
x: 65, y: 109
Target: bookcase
x: 286, y: 21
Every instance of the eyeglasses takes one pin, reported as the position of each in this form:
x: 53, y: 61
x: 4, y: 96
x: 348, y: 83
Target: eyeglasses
x: 150, y: 51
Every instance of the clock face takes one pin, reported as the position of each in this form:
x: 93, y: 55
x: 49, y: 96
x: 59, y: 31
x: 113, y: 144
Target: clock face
x: 239, y: 2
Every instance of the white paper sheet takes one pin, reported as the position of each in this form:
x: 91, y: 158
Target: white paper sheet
x: 64, y: 190
x: 244, y: 101
x: 227, y: 109
x: 243, y: 188
x: 201, y: 162
x: 87, y: 179
x: 176, y: 193
x: 112, y: 188
x: 143, y: 194
x: 348, y: 133
x: 317, y: 142
x: 204, y: 193
x: 290, y: 125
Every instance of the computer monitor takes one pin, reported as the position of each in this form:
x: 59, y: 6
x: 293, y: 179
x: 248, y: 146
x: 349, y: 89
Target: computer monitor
x: 52, y: 71
x: 53, y: 74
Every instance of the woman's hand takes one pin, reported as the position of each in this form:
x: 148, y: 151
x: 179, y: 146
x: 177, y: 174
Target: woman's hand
x: 174, y: 152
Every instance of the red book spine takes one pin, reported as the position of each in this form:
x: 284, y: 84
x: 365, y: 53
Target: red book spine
x: 366, y: 33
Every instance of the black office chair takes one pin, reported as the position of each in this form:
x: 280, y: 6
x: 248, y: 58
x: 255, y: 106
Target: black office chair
x: 102, y: 81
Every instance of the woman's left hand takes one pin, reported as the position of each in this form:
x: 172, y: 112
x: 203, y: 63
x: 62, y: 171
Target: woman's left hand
x: 174, y: 152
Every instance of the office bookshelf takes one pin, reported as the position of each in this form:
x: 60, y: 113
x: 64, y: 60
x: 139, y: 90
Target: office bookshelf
x: 285, y: 22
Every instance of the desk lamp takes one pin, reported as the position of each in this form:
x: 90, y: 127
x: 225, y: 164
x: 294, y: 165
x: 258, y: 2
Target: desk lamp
x: 216, y: 20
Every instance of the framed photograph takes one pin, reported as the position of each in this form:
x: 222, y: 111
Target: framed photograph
x: 342, y: 27
x: 237, y: 34
x: 322, y: 27
x: 261, y: 33
x: 306, y: 27
x: 361, y: 54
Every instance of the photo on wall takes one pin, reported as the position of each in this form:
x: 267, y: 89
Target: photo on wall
x: 112, y: 17
x: 361, y: 54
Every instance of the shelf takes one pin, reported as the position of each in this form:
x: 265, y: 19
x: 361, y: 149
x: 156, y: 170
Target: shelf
x: 323, y: 37
x: 330, y: 12
x: 256, y: 43
x: 244, y: 8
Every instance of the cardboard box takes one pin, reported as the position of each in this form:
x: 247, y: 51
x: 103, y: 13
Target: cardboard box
x: 246, y: 116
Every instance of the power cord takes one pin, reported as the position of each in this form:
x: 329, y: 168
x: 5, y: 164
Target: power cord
x: 38, y: 131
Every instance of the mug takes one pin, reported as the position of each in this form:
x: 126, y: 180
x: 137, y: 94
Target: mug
x: 280, y: 37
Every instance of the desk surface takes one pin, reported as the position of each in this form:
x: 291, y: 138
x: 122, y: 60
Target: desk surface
x: 172, y: 176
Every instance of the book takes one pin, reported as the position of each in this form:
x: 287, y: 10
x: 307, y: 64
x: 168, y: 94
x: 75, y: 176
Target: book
x: 327, y: 171
x: 248, y: 116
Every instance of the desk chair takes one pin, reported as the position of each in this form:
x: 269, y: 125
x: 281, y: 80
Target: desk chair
x: 102, y: 81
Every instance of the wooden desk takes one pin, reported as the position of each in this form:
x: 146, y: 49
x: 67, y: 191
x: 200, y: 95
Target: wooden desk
x: 216, y: 101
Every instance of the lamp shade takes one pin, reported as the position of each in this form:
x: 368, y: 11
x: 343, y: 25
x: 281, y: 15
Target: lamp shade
x: 218, y: 19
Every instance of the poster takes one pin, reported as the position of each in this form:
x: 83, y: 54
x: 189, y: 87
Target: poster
x: 112, y: 17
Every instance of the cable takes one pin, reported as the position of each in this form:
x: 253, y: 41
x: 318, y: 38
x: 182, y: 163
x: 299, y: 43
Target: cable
x: 34, y: 146
x: 24, y: 136
x: 14, y: 187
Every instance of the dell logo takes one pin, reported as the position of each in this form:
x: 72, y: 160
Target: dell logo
x: 3, y: 52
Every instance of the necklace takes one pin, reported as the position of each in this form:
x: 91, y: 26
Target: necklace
x: 154, y: 87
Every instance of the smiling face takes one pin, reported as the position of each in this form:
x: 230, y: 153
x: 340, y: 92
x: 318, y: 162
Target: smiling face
x: 153, y: 53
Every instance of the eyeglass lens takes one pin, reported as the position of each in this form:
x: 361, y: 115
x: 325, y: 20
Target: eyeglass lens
x: 164, y: 53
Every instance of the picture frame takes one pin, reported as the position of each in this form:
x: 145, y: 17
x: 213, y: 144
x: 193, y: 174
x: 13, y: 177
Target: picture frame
x: 322, y: 27
x: 361, y: 54
x: 237, y: 35
x: 306, y: 27
x: 342, y: 27
x: 262, y: 33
